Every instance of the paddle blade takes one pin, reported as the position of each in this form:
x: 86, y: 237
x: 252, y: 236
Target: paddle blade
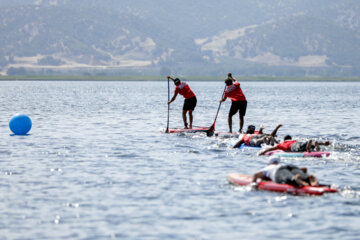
x: 210, y: 131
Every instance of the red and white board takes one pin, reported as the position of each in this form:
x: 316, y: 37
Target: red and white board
x: 281, y: 153
x: 243, y: 180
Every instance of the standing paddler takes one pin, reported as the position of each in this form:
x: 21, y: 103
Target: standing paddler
x: 238, y: 100
x: 190, y: 101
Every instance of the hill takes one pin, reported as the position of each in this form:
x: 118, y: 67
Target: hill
x: 206, y: 37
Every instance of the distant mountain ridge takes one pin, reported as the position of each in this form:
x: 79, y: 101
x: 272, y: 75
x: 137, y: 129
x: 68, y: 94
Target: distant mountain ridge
x: 206, y: 37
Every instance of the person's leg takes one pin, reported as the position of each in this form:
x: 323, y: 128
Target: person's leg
x: 233, y: 110
x: 308, y: 146
x: 257, y: 140
x: 191, y: 108
x: 327, y: 143
x: 298, y: 147
x: 185, y: 109
x: 260, y: 141
x: 290, y: 174
x: 301, y: 171
x: 241, y: 123
x: 230, y: 123
x: 242, y: 109
x: 184, y: 118
x: 268, y: 140
x: 300, y: 176
x: 190, y: 118
x: 284, y: 176
x: 271, y: 141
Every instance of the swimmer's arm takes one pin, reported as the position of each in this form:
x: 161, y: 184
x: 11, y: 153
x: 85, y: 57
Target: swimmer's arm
x: 238, y: 143
x: 261, y: 129
x: 267, y: 150
x: 258, y: 175
x: 275, y: 130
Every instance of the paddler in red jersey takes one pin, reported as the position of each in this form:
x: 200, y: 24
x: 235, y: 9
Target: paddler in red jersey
x: 289, y: 145
x: 239, y: 103
x: 190, y: 101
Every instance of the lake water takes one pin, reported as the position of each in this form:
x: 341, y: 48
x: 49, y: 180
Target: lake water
x: 97, y: 166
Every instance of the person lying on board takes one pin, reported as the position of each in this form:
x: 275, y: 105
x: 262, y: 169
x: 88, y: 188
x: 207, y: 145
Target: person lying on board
x: 289, y: 145
x: 253, y: 139
x: 285, y: 174
x: 238, y: 101
x: 190, y: 101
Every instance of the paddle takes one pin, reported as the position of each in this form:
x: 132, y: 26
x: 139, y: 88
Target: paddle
x: 211, y: 130
x: 167, y: 127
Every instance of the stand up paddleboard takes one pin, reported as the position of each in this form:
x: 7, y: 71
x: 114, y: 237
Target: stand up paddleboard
x: 243, y: 180
x: 281, y: 153
x: 193, y: 130
x: 227, y: 134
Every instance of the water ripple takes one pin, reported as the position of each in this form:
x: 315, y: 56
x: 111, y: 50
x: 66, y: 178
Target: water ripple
x: 96, y: 164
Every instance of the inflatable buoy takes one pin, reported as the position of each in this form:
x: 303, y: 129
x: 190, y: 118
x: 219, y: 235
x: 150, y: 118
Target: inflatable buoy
x: 20, y: 124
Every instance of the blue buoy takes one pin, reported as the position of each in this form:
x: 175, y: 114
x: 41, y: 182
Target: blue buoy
x: 20, y: 124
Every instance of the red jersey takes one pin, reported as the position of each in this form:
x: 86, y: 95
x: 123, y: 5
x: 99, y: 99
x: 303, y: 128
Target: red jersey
x: 234, y: 92
x: 185, y: 90
x: 246, y: 138
x: 286, y: 146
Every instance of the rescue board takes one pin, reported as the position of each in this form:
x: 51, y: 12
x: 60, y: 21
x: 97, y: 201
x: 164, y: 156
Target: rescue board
x: 281, y: 153
x: 243, y: 180
x: 242, y: 146
x: 184, y: 130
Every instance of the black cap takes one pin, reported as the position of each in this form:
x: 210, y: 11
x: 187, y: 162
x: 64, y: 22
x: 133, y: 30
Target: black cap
x: 228, y: 81
x: 250, y: 129
x: 287, y: 137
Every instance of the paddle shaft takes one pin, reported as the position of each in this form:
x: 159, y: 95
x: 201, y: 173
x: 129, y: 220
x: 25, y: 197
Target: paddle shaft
x: 212, y: 126
x: 168, y: 116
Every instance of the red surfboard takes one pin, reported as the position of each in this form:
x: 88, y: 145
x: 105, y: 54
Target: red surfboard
x: 243, y: 180
x: 183, y: 130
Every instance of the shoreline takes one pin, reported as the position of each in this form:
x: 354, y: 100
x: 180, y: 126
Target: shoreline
x: 186, y: 78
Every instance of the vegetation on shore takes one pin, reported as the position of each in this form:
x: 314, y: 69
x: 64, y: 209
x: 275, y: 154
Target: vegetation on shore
x: 160, y: 78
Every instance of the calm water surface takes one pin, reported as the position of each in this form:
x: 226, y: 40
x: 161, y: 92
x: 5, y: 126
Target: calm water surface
x: 97, y: 166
